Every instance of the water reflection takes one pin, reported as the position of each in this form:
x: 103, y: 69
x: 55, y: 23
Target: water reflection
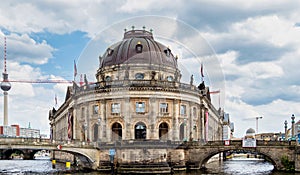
x: 246, y: 166
x: 230, y: 167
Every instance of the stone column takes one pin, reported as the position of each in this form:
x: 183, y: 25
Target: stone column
x: 103, y: 121
x: 176, y: 116
x: 151, y: 119
x: 127, y: 118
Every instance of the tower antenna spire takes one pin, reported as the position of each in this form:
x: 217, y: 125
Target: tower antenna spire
x: 5, y: 71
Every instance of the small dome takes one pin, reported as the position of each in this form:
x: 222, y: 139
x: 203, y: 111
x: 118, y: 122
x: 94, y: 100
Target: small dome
x: 138, y: 47
x: 250, y: 131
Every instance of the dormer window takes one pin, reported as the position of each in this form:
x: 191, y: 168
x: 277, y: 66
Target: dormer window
x: 139, y: 76
x: 167, y: 52
x: 170, y: 78
x: 110, y: 51
x: 139, y: 47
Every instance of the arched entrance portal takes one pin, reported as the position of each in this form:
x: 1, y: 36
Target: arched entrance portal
x: 163, y: 131
x: 116, y: 132
x: 140, y: 130
x: 181, y: 132
x: 95, y: 129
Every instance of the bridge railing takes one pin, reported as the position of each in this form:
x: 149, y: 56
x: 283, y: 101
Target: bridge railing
x: 16, y: 140
x: 258, y: 143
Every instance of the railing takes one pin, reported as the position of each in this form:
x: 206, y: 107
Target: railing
x: 137, y: 83
x: 6, y: 140
x: 138, y: 143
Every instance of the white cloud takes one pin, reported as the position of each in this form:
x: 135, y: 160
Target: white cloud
x: 132, y: 6
x: 274, y: 29
x: 24, y: 49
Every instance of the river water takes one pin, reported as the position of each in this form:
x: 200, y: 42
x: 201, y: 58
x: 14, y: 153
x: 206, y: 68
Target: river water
x: 229, y: 167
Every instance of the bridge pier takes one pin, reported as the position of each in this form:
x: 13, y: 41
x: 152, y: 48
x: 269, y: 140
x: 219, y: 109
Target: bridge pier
x: 28, y: 155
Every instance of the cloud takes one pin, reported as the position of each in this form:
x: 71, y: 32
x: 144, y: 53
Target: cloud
x: 31, y: 102
x: 24, y: 49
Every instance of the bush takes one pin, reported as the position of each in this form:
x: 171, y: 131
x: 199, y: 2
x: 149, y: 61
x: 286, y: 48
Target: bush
x: 288, y: 165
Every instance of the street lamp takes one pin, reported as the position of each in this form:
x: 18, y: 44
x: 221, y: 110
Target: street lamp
x: 285, y: 130
x: 293, y: 126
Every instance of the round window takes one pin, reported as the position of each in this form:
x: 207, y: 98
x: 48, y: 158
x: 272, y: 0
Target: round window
x: 139, y: 76
x: 107, y: 78
x: 169, y: 78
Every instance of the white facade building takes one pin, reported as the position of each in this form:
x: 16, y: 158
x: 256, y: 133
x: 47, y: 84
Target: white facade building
x: 138, y: 96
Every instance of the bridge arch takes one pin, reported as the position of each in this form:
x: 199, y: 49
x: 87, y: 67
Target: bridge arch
x: 27, y: 154
x: 212, y: 153
x: 88, y: 157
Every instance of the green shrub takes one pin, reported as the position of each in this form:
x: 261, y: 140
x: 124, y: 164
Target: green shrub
x: 288, y: 165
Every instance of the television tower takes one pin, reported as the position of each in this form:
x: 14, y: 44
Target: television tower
x: 5, y: 86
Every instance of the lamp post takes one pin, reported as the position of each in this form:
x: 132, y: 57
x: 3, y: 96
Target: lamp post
x: 285, y: 130
x: 293, y: 126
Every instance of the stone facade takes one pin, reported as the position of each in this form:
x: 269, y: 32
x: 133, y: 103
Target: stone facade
x: 138, y: 96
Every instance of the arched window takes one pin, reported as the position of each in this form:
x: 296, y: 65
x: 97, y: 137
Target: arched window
x: 163, y: 131
x: 139, y: 76
x: 110, y: 51
x: 95, y: 130
x: 116, y: 132
x: 140, y: 130
x: 181, y: 132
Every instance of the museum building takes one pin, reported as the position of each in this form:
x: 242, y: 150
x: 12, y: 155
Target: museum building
x: 138, y: 95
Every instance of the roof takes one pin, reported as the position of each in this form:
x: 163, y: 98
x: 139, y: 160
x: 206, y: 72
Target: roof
x: 250, y: 131
x: 138, y: 47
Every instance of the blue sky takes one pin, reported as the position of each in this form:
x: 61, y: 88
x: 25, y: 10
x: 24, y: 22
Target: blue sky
x: 254, y: 44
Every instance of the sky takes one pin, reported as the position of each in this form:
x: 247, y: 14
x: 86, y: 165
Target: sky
x: 249, y: 50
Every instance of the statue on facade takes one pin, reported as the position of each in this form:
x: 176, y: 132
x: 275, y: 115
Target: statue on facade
x: 126, y: 77
x: 192, y: 80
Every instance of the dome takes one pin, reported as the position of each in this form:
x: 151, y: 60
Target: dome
x: 138, y: 47
x: 5, y: 84
x: 250, y: 131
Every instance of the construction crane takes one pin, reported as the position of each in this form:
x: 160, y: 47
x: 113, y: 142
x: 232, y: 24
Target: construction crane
x: 41, y: 81
x: 256, y: 118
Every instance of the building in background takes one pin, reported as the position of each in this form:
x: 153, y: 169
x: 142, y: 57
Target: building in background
x: 228, y: 127
x: 16, y: 131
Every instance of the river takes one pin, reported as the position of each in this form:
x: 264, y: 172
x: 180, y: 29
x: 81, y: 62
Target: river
x: 229, y: 167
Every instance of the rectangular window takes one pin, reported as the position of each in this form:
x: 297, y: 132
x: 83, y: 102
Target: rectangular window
x: 115, y: 108
x: 182, y: 110
x: 140, y: 107
x: 163, y: 107
x: 95, y: 109
x: 194, y: 112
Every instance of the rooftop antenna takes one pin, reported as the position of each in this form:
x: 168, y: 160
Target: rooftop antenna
x: 5, y: 86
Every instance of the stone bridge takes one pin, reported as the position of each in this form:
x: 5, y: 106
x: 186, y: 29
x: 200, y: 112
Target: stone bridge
x: 273, y: 151
x: 88, y: 154
x: 191, y: 154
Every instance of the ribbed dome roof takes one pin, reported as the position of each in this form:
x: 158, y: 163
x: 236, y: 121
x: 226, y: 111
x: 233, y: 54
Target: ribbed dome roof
x: 250, y: 131
x: 138, y: 47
